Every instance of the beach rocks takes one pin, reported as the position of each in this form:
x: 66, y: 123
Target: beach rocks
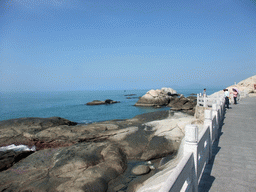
x: 97, y: 102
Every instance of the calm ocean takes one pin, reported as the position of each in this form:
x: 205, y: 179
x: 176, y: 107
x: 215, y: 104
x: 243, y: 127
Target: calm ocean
x: 71, y: 104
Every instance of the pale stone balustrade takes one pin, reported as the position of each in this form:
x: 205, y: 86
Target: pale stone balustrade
x: 197, y: 149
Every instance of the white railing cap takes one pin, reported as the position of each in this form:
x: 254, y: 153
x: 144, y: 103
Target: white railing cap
x: 191, y: 133
x: 214, y: 107
x: 207, y: 114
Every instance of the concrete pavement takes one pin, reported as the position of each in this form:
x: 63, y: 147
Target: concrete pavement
x: 233, y: 167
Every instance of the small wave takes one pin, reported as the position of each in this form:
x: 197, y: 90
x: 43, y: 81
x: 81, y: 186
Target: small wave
x: 17, y: 148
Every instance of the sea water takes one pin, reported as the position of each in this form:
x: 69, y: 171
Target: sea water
x: 71, y: 105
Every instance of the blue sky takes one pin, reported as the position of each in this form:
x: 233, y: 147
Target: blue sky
x: 50, y: 45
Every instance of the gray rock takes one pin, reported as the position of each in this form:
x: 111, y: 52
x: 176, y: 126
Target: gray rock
x: 97, y: 102
x: 85, y: 166
x: 35, y: 122
x: 119, y: 187
x: 155, y: 98
x: 10, y: 157
x: 24, y: 130
x: 141, y: 170
x: 183, y: 104
x: 157, y: 147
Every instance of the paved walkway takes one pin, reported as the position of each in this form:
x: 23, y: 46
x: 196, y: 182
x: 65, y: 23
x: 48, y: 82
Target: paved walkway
x: 233, y: 167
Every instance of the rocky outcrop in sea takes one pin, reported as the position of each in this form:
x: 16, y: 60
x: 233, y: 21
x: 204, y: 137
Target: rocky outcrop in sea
x: 98, y: 102
x: 168, y: 97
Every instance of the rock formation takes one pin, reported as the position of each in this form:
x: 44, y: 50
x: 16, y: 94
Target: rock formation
x: 168, y: 97
x: 156, y: 97
x: 183, y: 104
x: 246, y: 86
x: 98, y: 102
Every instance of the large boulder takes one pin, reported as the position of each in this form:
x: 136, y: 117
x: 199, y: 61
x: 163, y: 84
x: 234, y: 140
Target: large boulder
x: 81, y: 167
x: 156, y: 97
x: 184, y: 104
x: 157, y: 147
x: 141, y: 170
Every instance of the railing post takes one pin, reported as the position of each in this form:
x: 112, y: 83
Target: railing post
x: 204, y: 100
x: 215, y: 113
x: 191, y: 145
x: 197, y: 99
x: 221, y: 102
x: 208, y: 122
x: 219, y: 111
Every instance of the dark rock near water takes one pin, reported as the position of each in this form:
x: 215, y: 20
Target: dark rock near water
x: 183, y: 104
x: 173, y: 95
x: 28, y: 131
x: 30, y: 122
x: 130, y: 95
x: 10, y: 157
x: 97, y: 102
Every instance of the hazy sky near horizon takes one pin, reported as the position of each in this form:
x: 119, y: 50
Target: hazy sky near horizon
x: 50, y: 45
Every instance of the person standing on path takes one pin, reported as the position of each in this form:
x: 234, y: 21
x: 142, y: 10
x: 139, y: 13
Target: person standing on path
x: 204, y: 92
x: 226, y: 94
x: 235, y: 96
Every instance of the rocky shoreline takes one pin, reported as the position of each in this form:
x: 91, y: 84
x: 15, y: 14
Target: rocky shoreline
x: 113, y: 156
x: 67, y: 153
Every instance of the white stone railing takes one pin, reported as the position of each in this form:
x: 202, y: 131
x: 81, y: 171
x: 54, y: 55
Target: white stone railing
x: 207, y: 101
x: 197, y: 151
